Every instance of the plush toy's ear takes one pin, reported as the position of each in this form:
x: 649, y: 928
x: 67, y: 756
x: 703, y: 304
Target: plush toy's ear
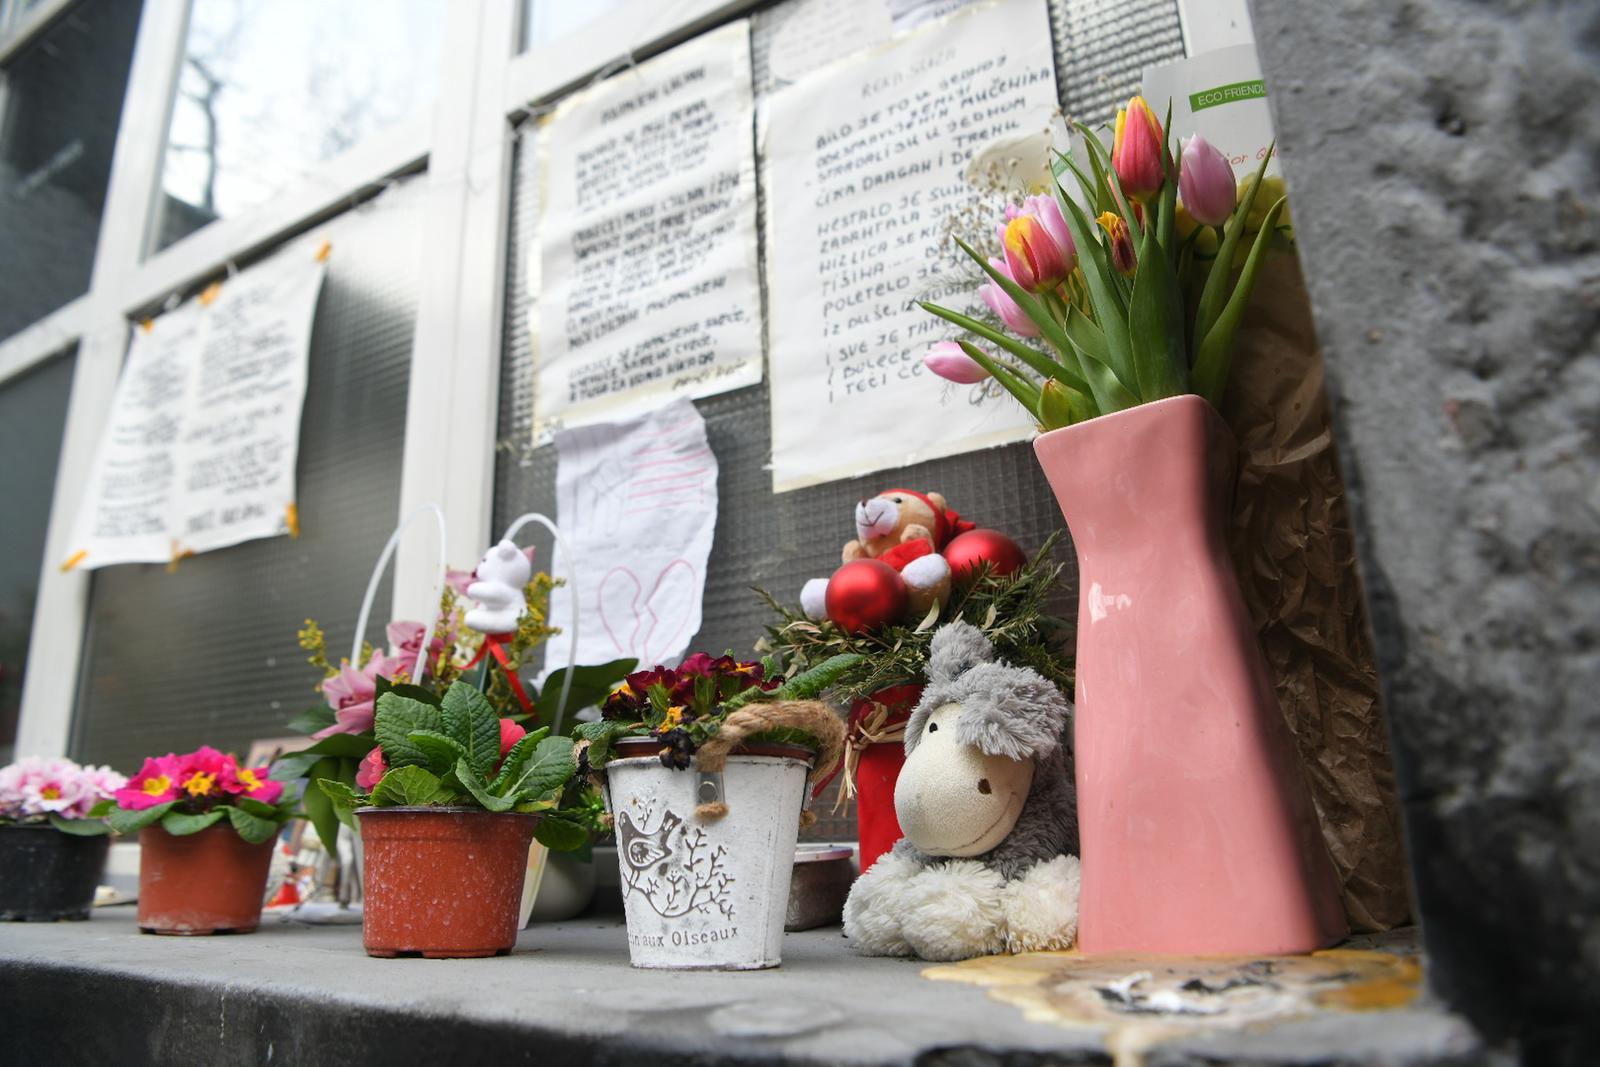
x: 938, y: 501
x: 507, y: 551
x: 956, y: 648
x: 1011, y: 711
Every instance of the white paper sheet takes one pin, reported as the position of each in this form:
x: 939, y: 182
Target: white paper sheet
x: 637, y: 503
x: 647, y: 285
x: 864, y: 173
x: 814, y: 33
x: 1219, y: 95
x: 200, y: 448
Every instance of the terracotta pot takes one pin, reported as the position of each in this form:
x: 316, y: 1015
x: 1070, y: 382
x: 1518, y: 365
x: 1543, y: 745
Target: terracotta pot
x: 702, y: 893
x: 212, y: 882
x: 47, y: 875
x: 1198, y: 835
x: 443, y: 883
x: 878, y: 766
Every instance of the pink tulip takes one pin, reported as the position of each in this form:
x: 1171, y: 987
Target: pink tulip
x: 1001, y: 304
x: 1035, y: 260
x: 1206, y: 182
x: 1137, y: 148
x: 948, y: 361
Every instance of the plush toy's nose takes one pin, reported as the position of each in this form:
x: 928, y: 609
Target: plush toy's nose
x: 983, y: 786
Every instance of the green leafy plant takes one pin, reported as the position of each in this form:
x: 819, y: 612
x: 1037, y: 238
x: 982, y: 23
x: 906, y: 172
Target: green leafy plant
x: 343, y: 727
x: 445, y: 751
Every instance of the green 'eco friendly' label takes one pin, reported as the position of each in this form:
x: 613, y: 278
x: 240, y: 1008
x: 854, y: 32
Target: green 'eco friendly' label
x: 1227, y: 94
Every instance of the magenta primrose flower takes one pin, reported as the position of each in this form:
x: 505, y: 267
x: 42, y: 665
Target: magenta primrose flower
x: 950, y: 362
x: 352, y: 693
x: 156, y: 783
x: 1206, y: 182
x: 250, y: 782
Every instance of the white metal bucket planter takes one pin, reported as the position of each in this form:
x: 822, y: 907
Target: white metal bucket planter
x: 706, y: 893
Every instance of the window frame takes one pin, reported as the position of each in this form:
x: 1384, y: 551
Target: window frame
x: 465, y: 142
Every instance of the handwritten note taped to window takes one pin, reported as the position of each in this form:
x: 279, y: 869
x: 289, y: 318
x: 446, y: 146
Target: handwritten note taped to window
x: 637, y: 502
x: 647, y: 282
x: 200, y: 449
x: 864, y: 171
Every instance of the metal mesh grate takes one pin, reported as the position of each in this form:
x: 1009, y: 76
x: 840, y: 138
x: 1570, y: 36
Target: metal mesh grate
x: 208, y: 654
x: 777, y: 542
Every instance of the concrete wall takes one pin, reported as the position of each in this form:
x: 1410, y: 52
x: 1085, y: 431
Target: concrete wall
x: 1443, y: 160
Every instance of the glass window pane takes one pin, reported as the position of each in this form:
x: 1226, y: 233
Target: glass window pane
x: 33, y: 410
x: 59, y: 106
x: 544, y: 21
x: 208, y: 654
x: 268, y: 90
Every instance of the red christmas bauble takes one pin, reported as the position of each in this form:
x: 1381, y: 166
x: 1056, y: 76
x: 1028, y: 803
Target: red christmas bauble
x: 966, y: 551
x: 865, y: 594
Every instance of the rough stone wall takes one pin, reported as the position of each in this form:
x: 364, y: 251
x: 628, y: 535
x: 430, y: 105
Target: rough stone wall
x: 1443, y: 158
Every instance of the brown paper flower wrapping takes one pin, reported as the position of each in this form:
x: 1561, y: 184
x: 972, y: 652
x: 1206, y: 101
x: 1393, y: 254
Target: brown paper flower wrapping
x: 1292, y: 543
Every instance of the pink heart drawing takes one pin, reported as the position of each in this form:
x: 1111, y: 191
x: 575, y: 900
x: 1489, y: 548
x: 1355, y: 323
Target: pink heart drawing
x: 651, y: 626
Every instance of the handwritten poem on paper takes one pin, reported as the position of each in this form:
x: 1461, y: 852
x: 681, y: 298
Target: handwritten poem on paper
x: 647, y: 284
x: 200, y: 448
x: 865, y: 172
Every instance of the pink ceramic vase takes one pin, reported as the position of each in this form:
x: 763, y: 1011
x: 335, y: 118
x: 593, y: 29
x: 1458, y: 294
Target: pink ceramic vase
x: 1198, y: 835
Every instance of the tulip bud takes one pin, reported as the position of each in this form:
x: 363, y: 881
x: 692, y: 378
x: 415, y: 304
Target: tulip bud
x: 1137, y: 149
x: 1000, y: 302
x: 1055, y: 405
x: 1032, y: 255
x: 1206, y: 182
x: 1122, y: 254
x: 948, y: 361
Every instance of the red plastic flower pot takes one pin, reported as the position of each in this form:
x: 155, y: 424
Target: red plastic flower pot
x: 212, y: 882
x: 443, y: 883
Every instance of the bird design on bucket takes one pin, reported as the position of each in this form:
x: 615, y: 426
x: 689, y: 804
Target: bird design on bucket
x: 674, y: 866
x: 642, y: 851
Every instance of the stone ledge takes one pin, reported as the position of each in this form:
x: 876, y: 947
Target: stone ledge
x: 101, y: 992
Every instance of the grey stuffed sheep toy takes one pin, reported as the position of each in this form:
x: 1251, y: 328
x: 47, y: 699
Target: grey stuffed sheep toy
x: 988, y: 863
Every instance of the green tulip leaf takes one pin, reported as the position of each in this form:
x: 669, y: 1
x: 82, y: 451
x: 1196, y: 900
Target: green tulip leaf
x: 1041, y: 363
x: 1155, y: 325
x: 1215, y: 354
x: 1110, y: 307
x: 1215, y: 291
